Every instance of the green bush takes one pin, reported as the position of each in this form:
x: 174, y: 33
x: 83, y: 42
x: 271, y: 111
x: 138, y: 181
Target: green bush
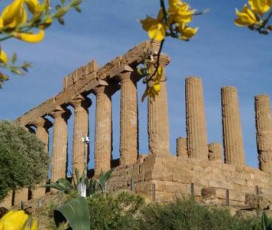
x: 187, y: 214
x: 23, y: 160
x: 126, y: 210
x: 119, y: 211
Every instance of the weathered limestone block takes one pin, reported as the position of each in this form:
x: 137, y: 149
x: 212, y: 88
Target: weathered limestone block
x: 81, y: 130
x: 128, y: 118
x: 197, y: 143
x: 103, y: 130
x: 208, y: 192
x: 209, y: 196
x: 264, y: 132
x: 215, y: 152
x: 181, y: 147
x: 232, y: 129
x: 158, y: 127
x: 60, y: 136
x: 257, y: 201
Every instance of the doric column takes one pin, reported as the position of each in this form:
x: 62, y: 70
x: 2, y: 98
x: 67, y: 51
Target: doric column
x: 60, y: 135
x: 158, y: 127
x: 42, y: 126
x: 181, y: 147
x: 128, y: 118
x: 232, y: 128
x: 264, y: 132
x: 197, y: 143
x: 21, y: 195
x: 81, y: 129
x: 215, y: 152
x: 103, y: 130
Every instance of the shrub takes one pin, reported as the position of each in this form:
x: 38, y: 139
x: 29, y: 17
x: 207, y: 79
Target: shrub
x: 119, y: 211
x: 23, y: 160
x: 187, y: 214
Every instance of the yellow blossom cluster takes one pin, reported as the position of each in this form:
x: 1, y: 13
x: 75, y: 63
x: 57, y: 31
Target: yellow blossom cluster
x: 153, y: 86
x: 17, y: 220
x: 15, y: 14
x: 253, y: 14
x: 26, y: 20
x: 172, y: 21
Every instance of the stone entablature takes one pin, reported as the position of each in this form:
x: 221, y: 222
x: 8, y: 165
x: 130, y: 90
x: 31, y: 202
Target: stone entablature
x: 198, y: 168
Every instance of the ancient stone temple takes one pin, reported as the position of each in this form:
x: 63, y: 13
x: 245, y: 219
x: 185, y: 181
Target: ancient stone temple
x: 198, y: 168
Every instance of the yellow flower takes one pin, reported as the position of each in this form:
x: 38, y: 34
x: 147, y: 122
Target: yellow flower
x: 17, y: 220
x: 260, y: 6
x: 186, y: 32
x: 28, y: 37
x: 3, y: 57
x: 153, y: 87
x: 14, y: 220
x: 155, y: 28
x: 36, y: 8
x: 246, y: 17
x: 11, y: 10
x: 179, y: 12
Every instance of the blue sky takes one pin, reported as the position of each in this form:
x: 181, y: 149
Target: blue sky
x: 221, y: 53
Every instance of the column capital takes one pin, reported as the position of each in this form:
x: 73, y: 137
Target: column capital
x: 59, y: 111
x: 43, y: 122
x: 106, y: 89
x: 30, y: 129
x: 80, y: 101
x: 164, y: 59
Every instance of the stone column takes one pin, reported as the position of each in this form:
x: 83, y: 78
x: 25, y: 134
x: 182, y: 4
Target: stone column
x: 81, y: 129
x: 128, y: 118
x: 158, y: 127
x: 181, y: 147
x: 197, y: 142
x: 60, y: 135
x: 264, y: 132
x: 21, y: 195
x: 42, y: 126
x: 232, y: 128
x: 7, y: 202
x: 103, y: 130
x: 215, y: 152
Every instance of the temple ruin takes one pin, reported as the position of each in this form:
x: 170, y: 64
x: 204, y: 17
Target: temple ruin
x: 198, y: 168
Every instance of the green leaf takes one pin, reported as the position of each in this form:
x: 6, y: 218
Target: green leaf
x: 14, y: 58
x: 62, y: 1
x: 77, y: 8
x: 61, y: 21
x: 16, y: 70
x: 265, y: 222
x: 75, y: 212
